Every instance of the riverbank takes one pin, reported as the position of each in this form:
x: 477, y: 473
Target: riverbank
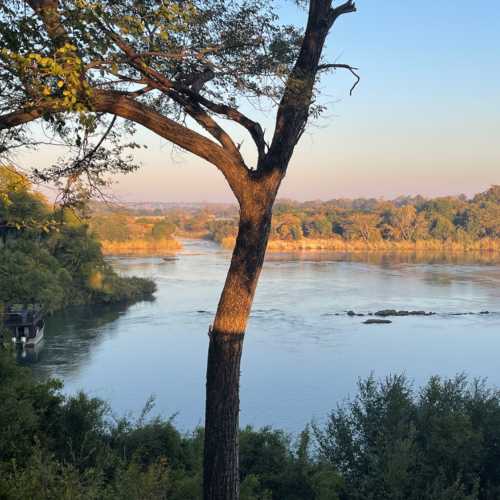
x: 341, y: 245
x: 155, y: 248
x: 141, y: 247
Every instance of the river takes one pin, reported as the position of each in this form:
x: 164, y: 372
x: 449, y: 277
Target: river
x: 300, y: 358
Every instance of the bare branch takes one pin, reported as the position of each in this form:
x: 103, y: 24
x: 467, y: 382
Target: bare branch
x: 352, y: 69
x: 194, y: 110
x: 253, y: 128
x: 94, y: 150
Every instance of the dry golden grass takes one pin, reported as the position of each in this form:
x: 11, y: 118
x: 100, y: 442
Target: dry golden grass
x: 140, y: 247
x: 341, y: 245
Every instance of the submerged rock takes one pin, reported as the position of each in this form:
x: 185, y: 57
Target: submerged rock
x: 386, y: 312
x: 392, y: 312
x: 377, y: 322
x: 352, y: 313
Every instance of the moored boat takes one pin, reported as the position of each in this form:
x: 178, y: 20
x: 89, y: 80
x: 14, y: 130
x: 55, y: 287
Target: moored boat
x: 25, y: 323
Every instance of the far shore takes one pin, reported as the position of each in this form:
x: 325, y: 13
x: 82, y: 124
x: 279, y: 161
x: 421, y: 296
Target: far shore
x: 341, y: 245
x: 141, y: 247
x: 167, y: 247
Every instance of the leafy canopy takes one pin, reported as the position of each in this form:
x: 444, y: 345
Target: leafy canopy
x: 61, y: 58
x: 174, y: 66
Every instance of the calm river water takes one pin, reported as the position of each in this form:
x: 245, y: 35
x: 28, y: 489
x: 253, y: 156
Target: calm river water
x: 300, y: 359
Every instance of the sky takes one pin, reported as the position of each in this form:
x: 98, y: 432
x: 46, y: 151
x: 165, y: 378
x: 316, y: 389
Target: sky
x: 424, y: 119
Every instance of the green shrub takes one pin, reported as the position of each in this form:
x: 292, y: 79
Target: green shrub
x: 393, y: 442
x: 390, y: 442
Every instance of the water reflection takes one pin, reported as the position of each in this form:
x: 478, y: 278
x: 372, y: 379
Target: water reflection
x: 28, y: 355
x: 72, y: 335
x: 389, y: 259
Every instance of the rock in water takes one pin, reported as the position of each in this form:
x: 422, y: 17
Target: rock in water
x: 392, y: 312
x: 377, y: 322
x: 386, y: 312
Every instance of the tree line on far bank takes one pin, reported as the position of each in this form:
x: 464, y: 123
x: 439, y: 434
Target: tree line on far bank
x: 369, y: 221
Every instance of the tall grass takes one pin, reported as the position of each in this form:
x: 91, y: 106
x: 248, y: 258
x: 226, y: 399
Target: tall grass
x: 342, y: 245
x: 148, y: 247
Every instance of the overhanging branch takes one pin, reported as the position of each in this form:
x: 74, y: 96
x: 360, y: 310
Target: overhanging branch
x: 120, y: 104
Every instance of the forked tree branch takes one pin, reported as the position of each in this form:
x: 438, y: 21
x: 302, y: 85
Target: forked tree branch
x: 253, y: 128
x: 195, y: 111
x: 190, y: 104
x: 192, y: 91
x: 130, y: 109
x: 345, y: 8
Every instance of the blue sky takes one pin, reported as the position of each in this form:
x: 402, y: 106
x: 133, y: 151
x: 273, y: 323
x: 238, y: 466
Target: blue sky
x: 425, y: 117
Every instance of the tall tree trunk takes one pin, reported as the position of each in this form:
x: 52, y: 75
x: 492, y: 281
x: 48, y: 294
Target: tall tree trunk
x: 221, y: 460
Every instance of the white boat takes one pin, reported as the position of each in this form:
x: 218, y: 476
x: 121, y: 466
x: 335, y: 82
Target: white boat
x: 26, y: 324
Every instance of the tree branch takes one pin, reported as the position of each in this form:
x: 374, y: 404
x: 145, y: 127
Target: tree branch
x: 94, y: 150
x: 48, y: 12
x: 343, y: 66
x: 209, y: 124
x: 120, y: 104
x: 253, y: 128
x: 192, y: 89
x: 293, y: 110
x: 345, y: 8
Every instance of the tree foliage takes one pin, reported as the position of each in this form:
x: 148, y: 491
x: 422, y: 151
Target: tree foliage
x: 48, y: 256
x: 174, y: 66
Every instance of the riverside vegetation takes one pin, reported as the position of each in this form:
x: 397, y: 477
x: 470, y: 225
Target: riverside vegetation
x: 48, y: 256
x: 390, y: 442
x: 452, y: 224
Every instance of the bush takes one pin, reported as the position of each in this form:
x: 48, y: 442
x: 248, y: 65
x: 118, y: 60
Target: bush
x: 390, y: 442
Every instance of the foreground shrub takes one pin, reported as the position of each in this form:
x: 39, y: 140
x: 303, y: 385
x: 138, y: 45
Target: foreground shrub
x: 395, y: 442
x: 391, y: 441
